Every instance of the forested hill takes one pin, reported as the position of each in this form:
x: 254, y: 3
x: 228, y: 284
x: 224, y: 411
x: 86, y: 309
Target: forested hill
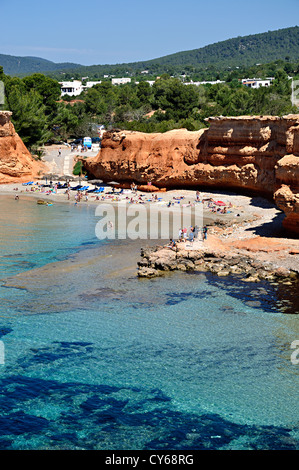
x: 13, y: 65
x: 242, y: 51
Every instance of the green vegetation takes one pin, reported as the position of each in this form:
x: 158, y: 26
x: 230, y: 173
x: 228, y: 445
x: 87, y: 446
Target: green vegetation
x: 241, y: 51
x: 39, y: 113
x: 205, y: 62
x: 14, y: 65
x: 78, y: 169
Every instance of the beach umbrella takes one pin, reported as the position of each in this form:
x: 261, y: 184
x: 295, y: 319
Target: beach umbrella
x: 66, y: 178
x: 95, y: 181
x: 50, y: 176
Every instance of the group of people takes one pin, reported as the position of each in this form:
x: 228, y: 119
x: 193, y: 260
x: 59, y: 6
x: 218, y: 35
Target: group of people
x: 78, y: 196
x: 193, y: 233
x: 189, y: 235
x: 80, y: 148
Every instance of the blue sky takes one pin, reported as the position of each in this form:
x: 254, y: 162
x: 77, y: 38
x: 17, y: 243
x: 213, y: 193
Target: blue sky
x: 117, y: 31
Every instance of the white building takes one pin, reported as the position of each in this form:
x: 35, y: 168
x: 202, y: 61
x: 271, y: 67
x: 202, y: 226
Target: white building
x: 150, y: 82
x: 73, y: 88
x: 257, y: 82
x: 204, y: 83
x: 120, y: 81
x: 91, y: 84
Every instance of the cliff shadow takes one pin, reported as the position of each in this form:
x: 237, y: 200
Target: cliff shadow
x: 264, y: 227
x: 202, y: 147
x: 272, y: 229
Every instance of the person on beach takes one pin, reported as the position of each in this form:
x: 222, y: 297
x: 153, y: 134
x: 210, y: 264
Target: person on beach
x: 172, y: 243
x: 204, y: 233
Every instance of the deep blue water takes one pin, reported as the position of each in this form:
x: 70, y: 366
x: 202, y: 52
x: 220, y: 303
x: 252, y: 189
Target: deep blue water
x: 97, y: 359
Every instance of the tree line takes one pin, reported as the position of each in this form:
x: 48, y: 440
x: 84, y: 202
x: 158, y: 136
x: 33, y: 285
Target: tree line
x: 40, y: 115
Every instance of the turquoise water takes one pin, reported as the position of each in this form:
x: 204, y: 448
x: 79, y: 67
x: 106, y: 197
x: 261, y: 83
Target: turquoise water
x: 97, y: 359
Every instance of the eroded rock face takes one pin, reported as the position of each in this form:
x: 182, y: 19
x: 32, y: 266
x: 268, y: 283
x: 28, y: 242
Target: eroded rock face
x: 6, y: 126
x: 288, y: 202
x: 16, y: 162
x: 287, y: 172
x: 254, y: 153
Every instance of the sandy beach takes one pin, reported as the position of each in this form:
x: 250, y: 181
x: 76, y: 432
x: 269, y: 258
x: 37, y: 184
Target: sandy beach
x: 221, y: 206
x: 235, y: 222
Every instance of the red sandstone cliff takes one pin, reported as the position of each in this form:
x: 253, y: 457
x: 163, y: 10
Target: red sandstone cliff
x: 16, y: 162
x: 254, y: 153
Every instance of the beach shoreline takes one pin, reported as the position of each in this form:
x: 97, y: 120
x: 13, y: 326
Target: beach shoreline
x: 251, y: 225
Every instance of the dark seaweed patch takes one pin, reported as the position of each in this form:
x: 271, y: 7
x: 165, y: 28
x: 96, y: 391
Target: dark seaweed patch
x: 94, y: 416
x: 177, y: 297
x: 57, y: 351
x: 5, y: 331
x: 20, y: 423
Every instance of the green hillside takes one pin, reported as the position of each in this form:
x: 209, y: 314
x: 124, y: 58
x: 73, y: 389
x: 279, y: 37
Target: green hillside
x: 244, y: 51
x: 238, y: 52
x: 13, y: 65
x: 241, y: 51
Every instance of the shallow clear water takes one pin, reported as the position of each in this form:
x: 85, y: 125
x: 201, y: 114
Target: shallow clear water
x: 98, y: 359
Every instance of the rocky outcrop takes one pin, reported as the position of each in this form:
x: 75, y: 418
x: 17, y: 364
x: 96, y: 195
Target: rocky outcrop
x: 288, y: 202
x: 287, y: 172
x: 143, y: 158
x: 254, y: 153
x: 159, y: 260
x: 16, y: 162
x: 287, y: 180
